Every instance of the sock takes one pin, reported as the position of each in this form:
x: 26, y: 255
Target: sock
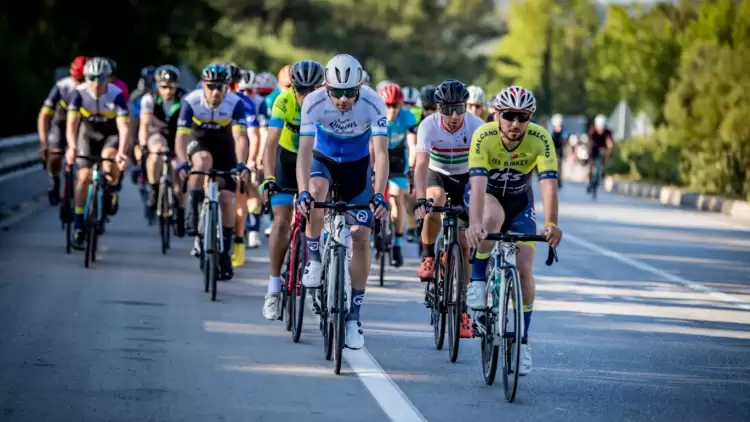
x: 428, y: 250
x: 256, y: 222
x: 228, y: 233
x: 357, y: 297
x: 274, y: 284
x: 479, y: 267
x: 527, y: 310
x: 56, y: 182
x: 78, y: 218
x: 239, y: 240
x: 397, y: 239
x: 313, y: 248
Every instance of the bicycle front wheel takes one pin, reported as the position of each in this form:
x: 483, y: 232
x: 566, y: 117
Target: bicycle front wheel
x: 512, y: 325
x: 490, y: 340
x: 437, y: 296
x: 214, y: 248
x: 299, y: 290
x: 89, y: 253
x: 454, y: 273
x: 340, y: 298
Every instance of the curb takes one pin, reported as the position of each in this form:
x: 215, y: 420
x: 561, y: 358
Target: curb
x: 739, y: 210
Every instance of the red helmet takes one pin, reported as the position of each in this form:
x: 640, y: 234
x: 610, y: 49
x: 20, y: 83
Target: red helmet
x: 76, y: 67
x: 391, y: 94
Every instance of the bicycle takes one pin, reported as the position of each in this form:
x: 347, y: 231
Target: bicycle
x: 66, y: 206
x: 445, y: 293
x: 95, y: 217
x: 332, y: 301
x: 596, y: 176
x: 165, y: 200
x: 504, y: 292
x: 383, y: 243
x: 210, y: 229
x: 293, y: 293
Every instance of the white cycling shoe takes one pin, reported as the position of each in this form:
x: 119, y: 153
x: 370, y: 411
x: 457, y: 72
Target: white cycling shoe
x: 355, y: 338
x: 476, y: 295
x: 271, y: 306
x: 526, y: 363
x: 253, y: 240
x: 311, y: 275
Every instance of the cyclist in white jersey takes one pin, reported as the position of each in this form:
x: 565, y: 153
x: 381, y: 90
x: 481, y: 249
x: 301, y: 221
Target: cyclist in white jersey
x: 341, y: 118
x: 441, y: 171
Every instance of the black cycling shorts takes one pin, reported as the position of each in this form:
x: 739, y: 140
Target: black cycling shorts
x: 223, y: 156
x: 456, y: 187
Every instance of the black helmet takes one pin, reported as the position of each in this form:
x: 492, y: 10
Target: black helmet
x: 427, y: 95
x: 451, y: 92
x: 235, y: 73
x: 112, y: 64
x: 167, y: 73
x: 307, y: 73
x: 215, y: 72
x: 147, y: 72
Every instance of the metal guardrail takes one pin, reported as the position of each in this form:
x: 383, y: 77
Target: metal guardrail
x: 19, y: 152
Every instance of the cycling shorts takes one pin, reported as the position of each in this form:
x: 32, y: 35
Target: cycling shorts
x: 354, y: 179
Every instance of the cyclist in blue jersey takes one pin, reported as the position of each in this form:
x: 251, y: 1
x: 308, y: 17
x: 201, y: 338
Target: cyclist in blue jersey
x: 402, y: 139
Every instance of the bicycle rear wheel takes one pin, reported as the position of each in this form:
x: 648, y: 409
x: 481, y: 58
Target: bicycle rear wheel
x: 340, y: 298
x: 214, y: 246
x: 438, y: 317
x: 455, y: 273
x: 512, y: 306
x: 327, y: 308
x: 89, y: 253
x: 287, y: 291
x: 298, y: 312
x: 489, y: 346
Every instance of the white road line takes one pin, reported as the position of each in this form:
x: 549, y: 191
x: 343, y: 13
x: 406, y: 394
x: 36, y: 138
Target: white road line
x: 657, y: 272
x: 386, y: 393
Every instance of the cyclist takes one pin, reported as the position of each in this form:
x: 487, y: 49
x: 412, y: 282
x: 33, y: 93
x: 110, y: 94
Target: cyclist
x: 160, y: 110
x: 249, y: 199
x: 113, y: 79
x: 476, y: 102
x: 503, y: 155
x: 442, y: 170
x: 411, y: 101
x: 97, y: 125
x: 339, y: 122
x: 559, y: 138
x: 600, y: 146
x: 211, y: 133
x: 428, y: 106
x: 366, y: 78
x: 381, y: 84
x: 402, y: 139
x: 145, y: 84
x: 51, y: 125
x: 280, y: 158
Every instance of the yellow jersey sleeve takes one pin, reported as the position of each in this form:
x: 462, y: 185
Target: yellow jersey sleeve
x: 546, y: 158
x: 479, y: 154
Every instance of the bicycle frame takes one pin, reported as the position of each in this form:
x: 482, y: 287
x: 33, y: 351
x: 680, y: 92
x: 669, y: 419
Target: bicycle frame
x: 165, y: 179
x: 338, y: 235
x: 95, y: 188
x: 503, y: 259
x: 212, y: 197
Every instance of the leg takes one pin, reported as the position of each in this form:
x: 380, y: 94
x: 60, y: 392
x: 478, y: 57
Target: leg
x: 278, y: 243
x: 156, y: 143
x: 254, y: 207
x: 493, y: 218
x: 55, y: 153
x: 200, y: 160
x: 430, y: 230
x: 238, y: 256
x: 397, y: 187
x: 112, y: 174
x: 319, y: 190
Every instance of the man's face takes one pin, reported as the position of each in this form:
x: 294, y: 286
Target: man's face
x: 343, y: 98
x: 513, y: 123
x: 452, y: 115
x: 214, y: 92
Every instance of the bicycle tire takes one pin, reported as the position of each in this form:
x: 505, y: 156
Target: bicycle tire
x: 327, y: 324
x: 340, y: 322
x: 90, y: 231
x: 207, y: 230
x: 299, y: 289
x: 214, y: 257
x: 454, y: 273
x: 288, y: 293
x: 489, y: 347
x: 511, y: 339
x: 438, y: 305
x: 162, y: 236
x: 68, y: 243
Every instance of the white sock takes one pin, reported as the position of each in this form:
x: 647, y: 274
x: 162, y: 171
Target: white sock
x: 274, y: 284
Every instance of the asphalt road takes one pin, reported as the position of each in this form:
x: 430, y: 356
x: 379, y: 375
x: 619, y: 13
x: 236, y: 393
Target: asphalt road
x: 645, y: 318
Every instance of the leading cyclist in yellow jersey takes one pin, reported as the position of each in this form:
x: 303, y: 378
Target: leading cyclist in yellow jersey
x: 503, y: 155
x: 281, y: 165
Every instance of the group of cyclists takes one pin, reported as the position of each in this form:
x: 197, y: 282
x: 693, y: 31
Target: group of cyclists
x: 289, y: 138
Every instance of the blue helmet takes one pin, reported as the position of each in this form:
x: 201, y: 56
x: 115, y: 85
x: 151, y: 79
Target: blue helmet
x: 216, y: 73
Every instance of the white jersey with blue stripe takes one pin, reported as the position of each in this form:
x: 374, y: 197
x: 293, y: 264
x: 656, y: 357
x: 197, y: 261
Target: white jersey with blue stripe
x: 343, y: 136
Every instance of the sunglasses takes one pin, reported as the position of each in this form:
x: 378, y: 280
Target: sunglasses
x: 96, y: 78
x: 215, y: 86
x: 510, y: 116
x: 339, y: 93
x: 304, y: 90
x: 449, y: 109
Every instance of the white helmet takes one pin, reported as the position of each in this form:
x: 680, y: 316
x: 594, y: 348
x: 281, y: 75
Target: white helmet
x: 411, y: 95
x: 515, y: 98
x: 600, y: 121
x: 557, y: 119
x: 97, y: 66
x: 382, y: 84
x: 343, y: 72
x: 365, y: 77
x: 247, y: 80
x: 476, y: 95
x: 265, y: 80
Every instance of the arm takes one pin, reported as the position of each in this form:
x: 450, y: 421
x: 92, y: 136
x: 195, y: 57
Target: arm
x: 253, y: 132
x: 184, y: 129
x: 479, y: 167
x: 478, y: 185
x: 73, y: 120
x: 380, y: 146
x: 306, y: 145
x: 411, y: 138
x: 275, y: 128
x: 145, y: 116
x: 123, y: 129
x: 45, y: 115
x: 546, y: 165
x: 421, y: 161
x: 549, y: 199
x: 239, y: 132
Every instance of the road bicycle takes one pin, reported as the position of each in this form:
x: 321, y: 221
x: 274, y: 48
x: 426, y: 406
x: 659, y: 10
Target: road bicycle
x: 94, y: 214
x: 501, y: 325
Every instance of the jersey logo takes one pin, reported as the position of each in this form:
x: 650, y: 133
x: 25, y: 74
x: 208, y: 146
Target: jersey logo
x: 382, y: 122
x: 342, y: 126
x: 508, y: 176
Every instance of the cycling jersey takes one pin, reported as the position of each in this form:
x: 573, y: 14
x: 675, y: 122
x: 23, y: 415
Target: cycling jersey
x: 398, y: 152
x: 125, y: 91
x: 509, y: 172
x: 98, y: 115
x: 343, y: 136
x: 260, y: 109
x: 57, y: 100
x: 201, y: 120
x: 285, y: 115
x: 417, y: 112
x: 271, y: 98
x: 165, y: 113
x: 559, y: 137
x: 449, y: 152
x: 598, y: 140
x: 251, y: 115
